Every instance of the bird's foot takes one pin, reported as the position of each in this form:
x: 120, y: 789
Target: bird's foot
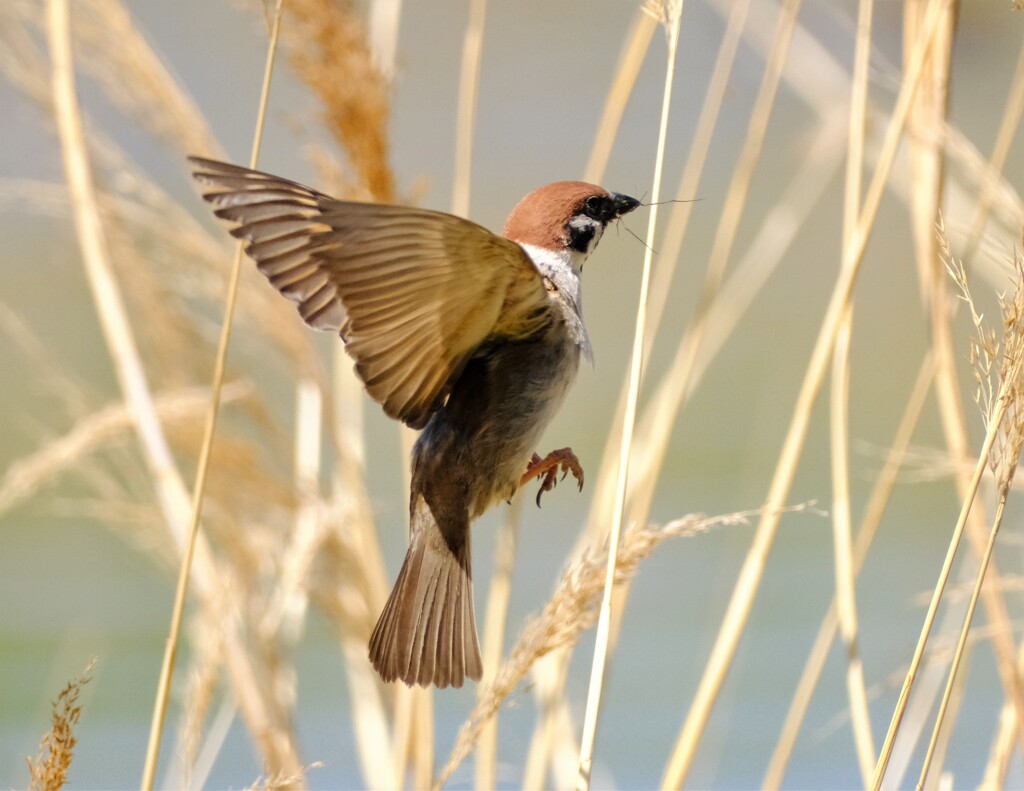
x: 548, y: 467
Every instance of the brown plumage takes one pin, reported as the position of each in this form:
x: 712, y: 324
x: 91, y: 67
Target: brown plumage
x: 470, y: 336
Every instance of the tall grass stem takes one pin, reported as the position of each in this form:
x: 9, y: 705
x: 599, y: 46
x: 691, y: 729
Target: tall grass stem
x: 962, y: 641
x: 495, y: 622
x: 177, y: 615
x: 753, y: 566
x: 870, y: 522
x: 469, y: 81
x: 933, y: 606
x: 673, y: 10
x: 846, y: 597
x: 638, y: 41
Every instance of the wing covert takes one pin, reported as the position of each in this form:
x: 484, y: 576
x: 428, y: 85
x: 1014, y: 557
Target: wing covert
x: 412, y: 292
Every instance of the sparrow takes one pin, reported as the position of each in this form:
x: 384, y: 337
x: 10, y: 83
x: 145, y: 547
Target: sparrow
x: 470, y: 336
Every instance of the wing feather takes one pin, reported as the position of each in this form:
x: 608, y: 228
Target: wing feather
x: 413, y: 293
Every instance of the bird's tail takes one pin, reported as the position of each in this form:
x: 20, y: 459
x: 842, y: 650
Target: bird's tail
x: 427, y: 631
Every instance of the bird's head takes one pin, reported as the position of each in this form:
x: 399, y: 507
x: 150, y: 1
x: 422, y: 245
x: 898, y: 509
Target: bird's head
x: 565, y: 220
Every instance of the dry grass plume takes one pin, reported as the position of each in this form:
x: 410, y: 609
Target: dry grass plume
x: 49, y: 769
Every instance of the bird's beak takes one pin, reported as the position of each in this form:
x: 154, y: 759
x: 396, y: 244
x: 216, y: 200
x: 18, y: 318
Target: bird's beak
x: 623, y: 203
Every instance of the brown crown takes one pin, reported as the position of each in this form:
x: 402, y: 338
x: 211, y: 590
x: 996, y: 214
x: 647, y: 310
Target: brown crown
x: 540, y: 218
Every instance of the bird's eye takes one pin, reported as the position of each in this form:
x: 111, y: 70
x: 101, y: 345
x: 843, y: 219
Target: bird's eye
x: 594, y: 204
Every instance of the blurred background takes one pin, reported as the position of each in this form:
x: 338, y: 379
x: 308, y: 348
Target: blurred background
x: 87, y: 569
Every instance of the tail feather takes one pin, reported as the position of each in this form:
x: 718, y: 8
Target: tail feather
x: 427, y: 631
x: 392, y: 630
x: 453, y: 634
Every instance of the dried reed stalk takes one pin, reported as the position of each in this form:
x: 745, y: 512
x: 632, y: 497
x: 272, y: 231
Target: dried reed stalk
x: 167, y: 669
x: 348, y: 607
x: 672, y: 243
x: 203, y: 677
x: 1001, y: 404
x: 766, y: 250
x: 689, y: 181
x: 285, y: 610
x: 750, y: 575
x: 773, y: 238
x: 846, y: 606
x: 1002, y: 744
x: 469, y: 81
x: 670, y: 12
x: 347, y: 594
x: 870, y: 522
x: 263, y: 720
x: 385, y: 16
x: 553, y: 727
x: 356, y: 589
x: 647, y: 463
x: 110, y: 305
x: 421, y: 747
x: 954, y: 424
x: 777, y: 231
x: 572, y: 609
x: 709, y: 329
x: 708, y: 333
x: 925, y: 196
x: 634, y: 50
x: 182, y: 258
x: 349, y: 585
x: 495, y: 622
x: 497, y: 605
x: 942, y: 726
x: 1012, y: 110
x: 1006, y: 213
x: 129, y: 199
x: 554, y: 738
x: 846, y: 598
x: 349, y: 73
x: 928, y: 113
x: 1007, y: 361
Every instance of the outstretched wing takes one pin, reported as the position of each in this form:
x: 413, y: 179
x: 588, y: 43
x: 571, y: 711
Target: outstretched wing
x: 412, y: 292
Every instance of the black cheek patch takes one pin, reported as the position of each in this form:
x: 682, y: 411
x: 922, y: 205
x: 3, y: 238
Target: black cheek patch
x: 580, y: 238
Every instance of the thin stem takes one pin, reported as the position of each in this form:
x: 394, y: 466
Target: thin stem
x: 495, y: 623
x: 170, y: 654
x: 1000, y: 151
x: 638, y: 41
x: 469, y: 80
x: 553, y: 735
x: 846, y: 599
x: 110, y: 307
x: 962, y: 642
x: 671, y: 243
x: 1002, y: 744
x: 940, y: 585
x: 745, y: 591
x: 877, y: 502
x: 635, y: 370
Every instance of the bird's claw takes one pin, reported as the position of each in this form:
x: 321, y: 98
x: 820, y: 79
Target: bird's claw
x: 549, y: 466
